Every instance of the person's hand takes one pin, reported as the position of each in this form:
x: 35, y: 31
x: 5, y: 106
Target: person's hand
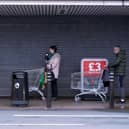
x: 48, y: 66
x: 107, y: 68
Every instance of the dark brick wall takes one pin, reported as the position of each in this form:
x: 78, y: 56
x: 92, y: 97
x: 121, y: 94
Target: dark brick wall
x: 24, y: 40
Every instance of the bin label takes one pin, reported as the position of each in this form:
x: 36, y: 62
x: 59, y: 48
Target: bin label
x: 17, y: 85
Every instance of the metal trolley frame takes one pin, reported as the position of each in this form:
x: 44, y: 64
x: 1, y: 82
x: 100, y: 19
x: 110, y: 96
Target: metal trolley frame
x: 89, y: 83
x: 34, y: 76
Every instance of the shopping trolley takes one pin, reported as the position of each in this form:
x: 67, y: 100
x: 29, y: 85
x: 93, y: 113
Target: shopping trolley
x: 34, y: 76
x: 89, y: 80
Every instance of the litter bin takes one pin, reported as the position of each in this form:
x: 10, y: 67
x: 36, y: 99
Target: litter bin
x: 20, y: 92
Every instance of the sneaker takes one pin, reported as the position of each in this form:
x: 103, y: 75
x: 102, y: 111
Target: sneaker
x: 122, y: 101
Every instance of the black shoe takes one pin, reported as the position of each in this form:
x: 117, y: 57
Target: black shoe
x: 122, y: 101
x: 54, y: 98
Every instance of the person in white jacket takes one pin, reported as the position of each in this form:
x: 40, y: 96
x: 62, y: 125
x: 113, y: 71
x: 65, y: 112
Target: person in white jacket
x: 54, y: 65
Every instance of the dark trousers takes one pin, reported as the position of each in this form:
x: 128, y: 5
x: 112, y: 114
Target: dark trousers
x: 121, y: 80
x: 54, y: 88
x: 120, y: 83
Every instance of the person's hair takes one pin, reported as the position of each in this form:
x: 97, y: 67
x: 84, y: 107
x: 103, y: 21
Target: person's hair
x: 53, y: 47
x: 118, y: 46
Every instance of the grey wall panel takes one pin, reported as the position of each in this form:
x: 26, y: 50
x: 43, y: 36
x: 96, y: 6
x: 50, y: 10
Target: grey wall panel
x: 24, y: 41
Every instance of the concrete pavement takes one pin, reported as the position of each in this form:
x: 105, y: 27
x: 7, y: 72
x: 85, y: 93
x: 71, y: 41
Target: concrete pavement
x: 62, y: 119
x: 63, y: 104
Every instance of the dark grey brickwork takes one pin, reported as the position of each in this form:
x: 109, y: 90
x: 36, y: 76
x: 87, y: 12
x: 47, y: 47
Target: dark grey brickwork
x: 24, y: 40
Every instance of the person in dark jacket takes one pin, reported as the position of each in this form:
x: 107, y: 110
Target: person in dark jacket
x: 119, y: 66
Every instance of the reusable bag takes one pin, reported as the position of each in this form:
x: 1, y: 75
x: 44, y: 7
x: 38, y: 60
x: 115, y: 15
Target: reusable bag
x: 42, y: 80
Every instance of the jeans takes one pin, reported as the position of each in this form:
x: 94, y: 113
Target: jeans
x: 120, y: 79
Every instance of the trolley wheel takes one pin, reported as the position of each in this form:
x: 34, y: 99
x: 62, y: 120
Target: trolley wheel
x: 77, y: 99
x: 43, y: 98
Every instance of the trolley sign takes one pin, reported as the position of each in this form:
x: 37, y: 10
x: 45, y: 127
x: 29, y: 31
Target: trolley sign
x: 93, y: 67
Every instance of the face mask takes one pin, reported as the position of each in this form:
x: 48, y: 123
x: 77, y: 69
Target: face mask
x: 48, y: 56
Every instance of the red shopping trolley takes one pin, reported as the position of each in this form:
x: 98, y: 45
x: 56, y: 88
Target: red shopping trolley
x: 89, y: 80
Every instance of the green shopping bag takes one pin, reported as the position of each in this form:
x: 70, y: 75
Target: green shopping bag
x: 42, y: 80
